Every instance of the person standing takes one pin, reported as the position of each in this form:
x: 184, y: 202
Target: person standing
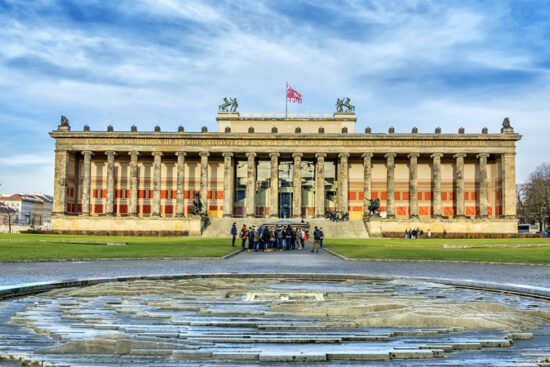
x: 288, y: 237
x: 279, y: 235
x: 316, y: 238
x: 233, y: 233
x: 244, y: 235
x: 251, y: 239
x: 428, y: 234
x: 257, y: 243
x: 322, y: 236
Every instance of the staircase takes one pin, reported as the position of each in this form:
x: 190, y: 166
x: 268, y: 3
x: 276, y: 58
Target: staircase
x: 220, y: 227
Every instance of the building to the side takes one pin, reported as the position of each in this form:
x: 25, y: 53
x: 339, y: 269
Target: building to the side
x: 274, y: 167
x: 30, y: 209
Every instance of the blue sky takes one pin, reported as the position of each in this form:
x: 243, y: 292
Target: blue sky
x: 168, y: 62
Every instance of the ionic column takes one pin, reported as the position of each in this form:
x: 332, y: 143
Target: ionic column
x: 483, y: 205
x: 133, y: 183
x: 390, y: 189
x: 508, y: 167
x: 274, y: 192
x: 320, y: 185
x: 436, y: 184
x: 459, y: 192
x: 367, y: 179
x: 86, y: 182
x: 227, y: 179
x: 109, y: 205
x: 156, y: 182
x: 344, y: 171
x: 413, y: 185
x: 204, y: 179
x: 60, y: 183
x: 251, y: 185
x: 180, y: 184
x: 297, y: 186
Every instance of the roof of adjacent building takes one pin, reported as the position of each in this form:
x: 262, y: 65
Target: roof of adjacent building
x: 34, y: 198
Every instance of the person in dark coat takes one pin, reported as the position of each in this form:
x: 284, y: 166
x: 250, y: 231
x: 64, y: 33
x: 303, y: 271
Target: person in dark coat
x: 288, y: 237
x: 233, y: 233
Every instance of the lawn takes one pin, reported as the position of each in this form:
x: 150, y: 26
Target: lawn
x: 17, y: 247
x: 529, y: 250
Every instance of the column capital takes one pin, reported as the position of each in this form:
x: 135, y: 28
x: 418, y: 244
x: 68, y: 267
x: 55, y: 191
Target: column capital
x: 110, y: 153
x: 180, y: 154
x: 436, y: 155
x: 227, y: 154
x: 156, y: 154
x: 251, y: 155
x: 87, y: 153
x: 297, y: 155
x: 320, y: 155
x: 274, y: 155
x: 459, y: 155
x: 483, y: 155
x: 204, y: 154
x: 343, y: 155
x: 411, y: 155
x: 390, y: 155
x: 367, y: 155
x: 133, y: 153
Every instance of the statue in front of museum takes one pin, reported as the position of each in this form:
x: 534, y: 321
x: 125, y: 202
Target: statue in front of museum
x: 228, y: 105
x: 198, y: 206
x: 374, y: 208
x: 344, y: 102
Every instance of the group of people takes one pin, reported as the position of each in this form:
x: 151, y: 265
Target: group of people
x: 336, y: 215
x: 412, y: 233
x: 275, y: 238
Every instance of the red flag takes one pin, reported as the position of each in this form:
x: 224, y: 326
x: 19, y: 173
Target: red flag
x: 292, y: 95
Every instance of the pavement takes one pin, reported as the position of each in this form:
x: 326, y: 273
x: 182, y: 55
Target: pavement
x: 277, y: 263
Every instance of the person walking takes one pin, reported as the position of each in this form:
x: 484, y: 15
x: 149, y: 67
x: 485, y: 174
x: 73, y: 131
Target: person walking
x: 244, y: 235
x: 406, y: 233
x: 233, y: 233
x: 428, y: 234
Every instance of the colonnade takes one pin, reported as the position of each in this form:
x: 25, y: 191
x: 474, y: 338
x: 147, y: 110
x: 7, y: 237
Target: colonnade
x: 508, y: 172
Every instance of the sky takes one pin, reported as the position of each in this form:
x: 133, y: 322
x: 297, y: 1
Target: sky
x: 166, y: 62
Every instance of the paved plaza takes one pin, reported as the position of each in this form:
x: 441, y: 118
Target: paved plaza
x: 276, y: 263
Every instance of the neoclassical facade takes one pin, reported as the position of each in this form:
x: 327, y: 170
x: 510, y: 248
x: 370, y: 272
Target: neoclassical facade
x: 284, y: 167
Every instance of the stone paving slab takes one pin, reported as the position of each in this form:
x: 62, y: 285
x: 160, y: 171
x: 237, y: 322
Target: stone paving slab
x: 278, y: 262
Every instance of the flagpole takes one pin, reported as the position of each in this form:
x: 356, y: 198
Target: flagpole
x: 286, y: 99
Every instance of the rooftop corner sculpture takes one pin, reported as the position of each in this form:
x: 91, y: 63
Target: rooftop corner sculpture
x: 344, y: 102
x: 228, y: 105
x: 64, y: 121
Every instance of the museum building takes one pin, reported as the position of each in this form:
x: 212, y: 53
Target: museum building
x: 277, y: 166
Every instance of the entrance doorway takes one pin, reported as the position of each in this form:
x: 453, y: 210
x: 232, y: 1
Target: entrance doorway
x: 285, y: 204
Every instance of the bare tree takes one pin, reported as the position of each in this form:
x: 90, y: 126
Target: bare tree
x: 536, y: 197
x: 9, y: 214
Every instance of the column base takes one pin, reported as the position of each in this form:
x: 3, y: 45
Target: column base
x: 414, y: 217
x: 390, y: 216
x: 227, y: 215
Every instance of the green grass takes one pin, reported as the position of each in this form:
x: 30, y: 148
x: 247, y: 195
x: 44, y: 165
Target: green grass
x: 17, y: 247
x: 401, y: 249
